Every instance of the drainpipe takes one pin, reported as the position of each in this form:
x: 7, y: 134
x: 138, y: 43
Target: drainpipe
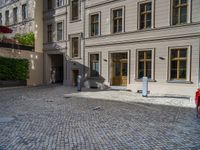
x: 84, y: 39
x: 199, y: 66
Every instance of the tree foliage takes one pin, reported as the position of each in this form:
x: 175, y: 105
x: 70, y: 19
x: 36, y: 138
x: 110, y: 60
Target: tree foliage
x: 25, y: 39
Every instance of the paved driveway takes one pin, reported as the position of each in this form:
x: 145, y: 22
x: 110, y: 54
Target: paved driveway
x: 41, y: 118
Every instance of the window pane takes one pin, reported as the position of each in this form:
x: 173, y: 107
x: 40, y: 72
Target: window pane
x: 148, y: 21
x: 142, y: 7
x: 124, y: 69
x: 141, y: 55
x: 59, y: 31
x: 174, y: 54
x: 173, y: 73
x: 183, y: 1
x: 148, y: 69
x: 176, y: 2
x: 75, y: 43
x: 142, y: 22
x: 117, y: 67
x: 141, y: 70
x: 183, y: 53
x: 148, y: 6
x: 183, y: 17
x: 148, y: 53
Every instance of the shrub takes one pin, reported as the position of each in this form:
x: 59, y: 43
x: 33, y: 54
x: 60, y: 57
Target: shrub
x: 25, y: 39
x: 13, y: 69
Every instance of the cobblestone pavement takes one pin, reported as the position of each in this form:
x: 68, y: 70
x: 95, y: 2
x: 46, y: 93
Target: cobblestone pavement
x: 41, y: 118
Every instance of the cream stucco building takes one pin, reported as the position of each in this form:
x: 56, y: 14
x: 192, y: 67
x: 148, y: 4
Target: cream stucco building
x: 25, y: 16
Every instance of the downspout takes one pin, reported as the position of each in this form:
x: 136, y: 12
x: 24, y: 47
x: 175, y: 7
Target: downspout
x: 199, y: 66
x: 84, y: 39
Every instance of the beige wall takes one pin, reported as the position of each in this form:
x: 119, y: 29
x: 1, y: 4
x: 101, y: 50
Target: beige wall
x: 35, y: 67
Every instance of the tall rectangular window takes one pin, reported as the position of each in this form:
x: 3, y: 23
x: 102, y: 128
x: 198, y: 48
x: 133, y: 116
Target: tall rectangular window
x: 180, y: 11
x: 15, y: 15
x: 178, y: 64
x: 94, y: 27
x: 75, y: 48
x: 49, y: 4
x: 59, y: 31
x: 60, y: 3
x: 94, y: 65
x: 75, y: 10
x: 145, y: 64
x: 117, y: 20
x: 1, y: 19
x: 49, y: 33
x: 145, y: 15
x: 7, y: 17
x: 24, y: 12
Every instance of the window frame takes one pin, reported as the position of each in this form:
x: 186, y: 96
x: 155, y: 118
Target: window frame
x: 152, y: 14
x: 49, y: 4
x: 79, y: 45
x: 90, y: 24
x: 112, y: 19
x: 57, y: 30
x: 15, y: 16
x: 79, y: 11
x: 7, y: 19
x: 188, y: 61
x: 51, y: 33
x: 57, y: 2
x: 189, y: 13
x: 152, y: 64
x: 89, y: 65
x: 24, y: 12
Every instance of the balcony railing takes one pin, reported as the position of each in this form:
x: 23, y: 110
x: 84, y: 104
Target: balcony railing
x: 16, y: 46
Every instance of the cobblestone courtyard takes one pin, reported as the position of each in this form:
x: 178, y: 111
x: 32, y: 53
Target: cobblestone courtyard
x: 41, y: 118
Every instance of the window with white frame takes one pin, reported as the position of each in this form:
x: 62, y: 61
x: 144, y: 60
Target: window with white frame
x: 145, y: 15
x: 94, y: 65
x: 60, y: 3
x: 118, y: 20
x: 180, y: 11
x: 59, y: 31
x: 24, y: 12
x: 74, y: 10
x: 179, y: 64
x: 94, y: 24
x: 75, y: 46
x: 145, y: 64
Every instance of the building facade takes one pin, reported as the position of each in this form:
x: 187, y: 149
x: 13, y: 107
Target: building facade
x: 25, y: 16
x: 115, y: 43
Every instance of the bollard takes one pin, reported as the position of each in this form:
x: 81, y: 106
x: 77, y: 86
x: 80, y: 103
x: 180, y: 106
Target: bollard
x: 145, y: 87
x: 79, y: 83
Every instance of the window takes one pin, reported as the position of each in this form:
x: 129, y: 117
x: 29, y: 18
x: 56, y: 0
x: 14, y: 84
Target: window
x: 145, y: 64
x: 7, y: 17
x: 180, y: 11
x: 95, y: 25
x: 59, y: 31
x: 24, y: 12
x: 49, y: 5
x: 15, y: 15
x: 0, y: 18
x: 60, y: 3
x: 178, y: 64
x: 75, y: 46
x: 75, y: 10
x: 94, y: 65
x: 145, y: 15
x: 117, y: 20
x: 49, y: 33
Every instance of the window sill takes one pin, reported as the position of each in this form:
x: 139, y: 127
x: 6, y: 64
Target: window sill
x: 74, y: 21
x: 180, y: 81
x: 76, y: 58
x: 149, y: 80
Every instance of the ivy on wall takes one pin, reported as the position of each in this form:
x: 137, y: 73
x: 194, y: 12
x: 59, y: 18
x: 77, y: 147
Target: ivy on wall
x: 13, y: 69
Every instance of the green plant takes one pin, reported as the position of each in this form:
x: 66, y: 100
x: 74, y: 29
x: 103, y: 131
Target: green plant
x: 13, y: 69
x: 25, y: 39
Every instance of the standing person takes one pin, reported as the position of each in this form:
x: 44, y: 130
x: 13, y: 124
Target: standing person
x: 53, y: 75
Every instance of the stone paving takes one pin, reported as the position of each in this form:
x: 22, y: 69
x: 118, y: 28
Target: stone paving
x: 41, y: 118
